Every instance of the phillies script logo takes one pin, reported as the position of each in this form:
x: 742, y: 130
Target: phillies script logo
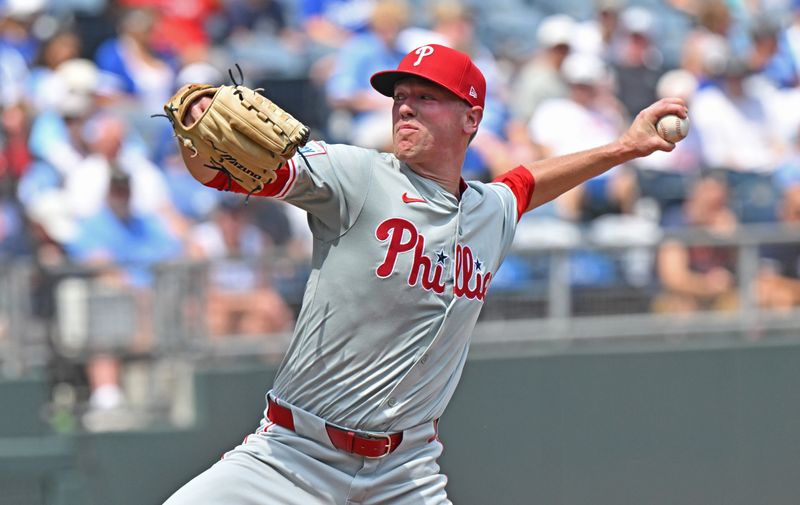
x: 404, y: 238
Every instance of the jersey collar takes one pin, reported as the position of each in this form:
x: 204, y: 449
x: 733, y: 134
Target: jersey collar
x: 462, y: 186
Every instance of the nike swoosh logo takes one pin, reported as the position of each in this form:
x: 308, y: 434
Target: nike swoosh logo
x: 411, y: 199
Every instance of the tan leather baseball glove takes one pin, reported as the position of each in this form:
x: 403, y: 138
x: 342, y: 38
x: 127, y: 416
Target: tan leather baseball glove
x: 242, y: 133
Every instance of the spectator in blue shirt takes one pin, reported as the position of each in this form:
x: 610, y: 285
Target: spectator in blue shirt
x: 134, y: 63
x: 348, y: 89
x: 331, y: 23
x: 118, y: 237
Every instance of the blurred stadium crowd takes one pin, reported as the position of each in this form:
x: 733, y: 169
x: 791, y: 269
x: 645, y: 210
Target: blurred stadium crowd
x: 88, y: 179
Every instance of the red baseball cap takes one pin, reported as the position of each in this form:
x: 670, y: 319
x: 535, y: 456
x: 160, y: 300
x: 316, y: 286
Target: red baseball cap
x: 442, y: 65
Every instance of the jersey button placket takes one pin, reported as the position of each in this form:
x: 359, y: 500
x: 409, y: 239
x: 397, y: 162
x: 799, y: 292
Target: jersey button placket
x: 456, y: 239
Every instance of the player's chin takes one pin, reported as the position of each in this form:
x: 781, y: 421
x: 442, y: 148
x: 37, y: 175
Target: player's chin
x: 402, y: 155
x: 404, y: 150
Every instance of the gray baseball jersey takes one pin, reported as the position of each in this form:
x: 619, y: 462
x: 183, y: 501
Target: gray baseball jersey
x: 400, y: 272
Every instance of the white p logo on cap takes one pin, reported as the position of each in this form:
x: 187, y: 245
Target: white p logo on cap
x: 422, y: 52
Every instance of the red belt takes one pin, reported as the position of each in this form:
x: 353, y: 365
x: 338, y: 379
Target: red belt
x: 367, y: 445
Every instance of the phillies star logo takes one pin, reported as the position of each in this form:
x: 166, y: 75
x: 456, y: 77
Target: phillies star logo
x: 403, y: 238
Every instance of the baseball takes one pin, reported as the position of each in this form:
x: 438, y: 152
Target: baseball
x: 672, y: 127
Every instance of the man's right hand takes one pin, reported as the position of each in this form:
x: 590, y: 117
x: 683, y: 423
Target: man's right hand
x: 642, y: 138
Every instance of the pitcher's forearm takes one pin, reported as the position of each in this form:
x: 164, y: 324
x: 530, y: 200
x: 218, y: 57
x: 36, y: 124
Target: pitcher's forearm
x: 555, y: 176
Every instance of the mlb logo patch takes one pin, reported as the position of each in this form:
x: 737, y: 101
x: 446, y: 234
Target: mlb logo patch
x: 313, y: 148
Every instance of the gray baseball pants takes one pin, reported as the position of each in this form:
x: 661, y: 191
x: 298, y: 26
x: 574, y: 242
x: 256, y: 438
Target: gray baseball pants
x: 277, y: 466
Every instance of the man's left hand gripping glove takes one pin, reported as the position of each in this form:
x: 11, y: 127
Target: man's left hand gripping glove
x: 242, y: 133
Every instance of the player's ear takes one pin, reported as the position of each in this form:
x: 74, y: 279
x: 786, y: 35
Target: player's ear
x: 472, y: 119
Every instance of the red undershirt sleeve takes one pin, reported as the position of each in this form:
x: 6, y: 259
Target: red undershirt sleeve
x: 522, y: 183
x: 223, y: 182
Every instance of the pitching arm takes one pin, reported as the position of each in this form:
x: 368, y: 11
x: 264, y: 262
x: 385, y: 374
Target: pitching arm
x: 555, y: 176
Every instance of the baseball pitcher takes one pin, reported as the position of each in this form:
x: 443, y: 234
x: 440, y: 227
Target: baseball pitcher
x: 404, y: 254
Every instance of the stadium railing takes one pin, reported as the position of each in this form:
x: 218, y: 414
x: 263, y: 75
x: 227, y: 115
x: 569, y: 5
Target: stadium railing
x: 562, y: 296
